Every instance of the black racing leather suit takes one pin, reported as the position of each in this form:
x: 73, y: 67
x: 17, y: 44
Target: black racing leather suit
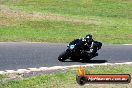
x: 89, y: 46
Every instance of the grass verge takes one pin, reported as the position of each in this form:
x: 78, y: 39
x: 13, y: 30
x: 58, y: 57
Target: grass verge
x: 66, y: 79
x: 63, y: 20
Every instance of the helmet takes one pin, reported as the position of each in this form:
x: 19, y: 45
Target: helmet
x: 88, y: 37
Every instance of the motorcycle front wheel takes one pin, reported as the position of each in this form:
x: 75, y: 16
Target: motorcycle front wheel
x: 63, y: 56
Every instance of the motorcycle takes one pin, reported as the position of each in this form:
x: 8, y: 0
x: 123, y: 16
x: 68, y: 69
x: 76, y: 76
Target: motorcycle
x: 77, y: 50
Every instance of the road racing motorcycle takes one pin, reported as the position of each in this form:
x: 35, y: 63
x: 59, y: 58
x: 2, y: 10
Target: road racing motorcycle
x: 77, y: 50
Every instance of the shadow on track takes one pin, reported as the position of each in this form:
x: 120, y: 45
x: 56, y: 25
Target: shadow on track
x: 88, y: 61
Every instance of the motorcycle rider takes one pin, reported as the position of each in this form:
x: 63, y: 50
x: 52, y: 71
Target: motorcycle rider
x: 89, y: 43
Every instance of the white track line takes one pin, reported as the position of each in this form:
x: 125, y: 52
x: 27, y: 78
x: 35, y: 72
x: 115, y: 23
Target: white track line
x: 127, y: 44
x: 58, y: 67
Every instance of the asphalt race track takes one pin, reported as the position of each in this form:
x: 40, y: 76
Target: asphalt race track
x: 29, y: 55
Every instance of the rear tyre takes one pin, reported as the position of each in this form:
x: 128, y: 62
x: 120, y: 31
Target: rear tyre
x: 63, y: 56
x: 98, y: 44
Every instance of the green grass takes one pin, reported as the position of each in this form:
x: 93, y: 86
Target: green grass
x: 103, y: 8
x: 53, y: 31
x: 108, y: 20
x: 67, y: 79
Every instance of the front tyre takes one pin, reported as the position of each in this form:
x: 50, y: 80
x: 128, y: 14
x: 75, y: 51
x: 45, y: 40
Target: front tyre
x: 63, y: 56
